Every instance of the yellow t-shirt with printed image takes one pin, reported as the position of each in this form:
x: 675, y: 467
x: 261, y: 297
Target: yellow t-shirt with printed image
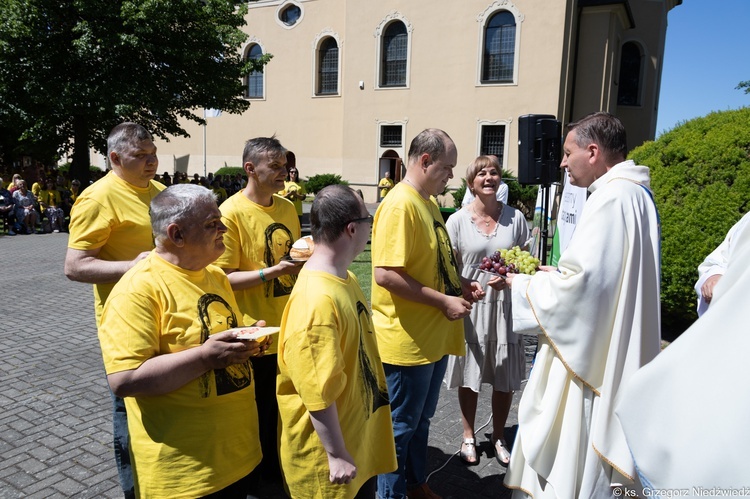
x: 257, y: 237
x: 328, y: 354
x: 49, y: 198
x: 203, y: 436
x: 113, y: 215
x: 408, y: 232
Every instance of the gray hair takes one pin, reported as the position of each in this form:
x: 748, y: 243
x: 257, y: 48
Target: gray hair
x: 259, y: 146
x: 124, y: 135
x: 177, y: 204
x: 603, y: 129
x: 432, y: 141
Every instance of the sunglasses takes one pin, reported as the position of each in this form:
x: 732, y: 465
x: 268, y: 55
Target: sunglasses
x: 368, y: 218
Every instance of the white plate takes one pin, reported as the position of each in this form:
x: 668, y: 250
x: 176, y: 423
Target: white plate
x: 254, y: 332
x: 290, y: 259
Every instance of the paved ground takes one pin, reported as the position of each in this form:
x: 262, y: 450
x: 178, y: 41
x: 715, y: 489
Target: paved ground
x: 55, y: 422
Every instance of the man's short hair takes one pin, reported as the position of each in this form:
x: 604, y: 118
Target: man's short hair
x: 257, y: 148
x: 478, y: 164
x: 604, y: 130
x: 126, y: 135
x: 178, y: 204
x: 432, y: 141
x: 333, y: 207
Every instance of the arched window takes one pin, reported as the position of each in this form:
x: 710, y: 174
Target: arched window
x: 628, y: 92
x: 328, y: 67
x: 499, y: 48
x: 394, y: 53
x: 255, y: 78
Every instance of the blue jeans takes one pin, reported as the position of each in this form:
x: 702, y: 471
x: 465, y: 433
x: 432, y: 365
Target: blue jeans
x: 122, y: 446
x: 414, y: 393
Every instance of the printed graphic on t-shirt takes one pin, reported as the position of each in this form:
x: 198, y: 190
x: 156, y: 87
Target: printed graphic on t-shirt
x: 375, y: 394
x: 278, y: 243
x: 447, y: 271
x: 213, y: 310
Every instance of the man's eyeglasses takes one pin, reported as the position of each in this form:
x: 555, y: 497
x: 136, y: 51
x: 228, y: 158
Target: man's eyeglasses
x: 368, y: 219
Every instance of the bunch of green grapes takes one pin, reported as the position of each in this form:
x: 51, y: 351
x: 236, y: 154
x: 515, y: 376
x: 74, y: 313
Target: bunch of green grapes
x: 510, y: 261
x: 520, y: 261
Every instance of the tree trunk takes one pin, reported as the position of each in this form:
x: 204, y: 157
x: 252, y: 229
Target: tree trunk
x: 79, y: 168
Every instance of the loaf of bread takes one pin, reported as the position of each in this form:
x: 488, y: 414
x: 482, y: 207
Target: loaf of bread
x: 302, y: 248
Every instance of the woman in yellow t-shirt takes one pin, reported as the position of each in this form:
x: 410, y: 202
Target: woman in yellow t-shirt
x: 50, y: 204
x: 294, y: 190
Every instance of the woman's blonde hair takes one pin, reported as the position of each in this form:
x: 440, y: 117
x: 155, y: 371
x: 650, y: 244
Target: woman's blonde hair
x: 477, y: 165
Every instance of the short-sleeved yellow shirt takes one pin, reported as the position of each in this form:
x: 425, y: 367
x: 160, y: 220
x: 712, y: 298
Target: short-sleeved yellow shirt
x: 257, y: 237
x: 408, y: 232
x: 203, y: 436
x: 328, y: 354
x: 113, y: 215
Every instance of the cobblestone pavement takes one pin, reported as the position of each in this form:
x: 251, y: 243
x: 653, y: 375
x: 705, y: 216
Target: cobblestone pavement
x: 55, y: 421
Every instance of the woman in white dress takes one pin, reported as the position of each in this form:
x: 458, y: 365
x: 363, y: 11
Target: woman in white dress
x: 494, y: 354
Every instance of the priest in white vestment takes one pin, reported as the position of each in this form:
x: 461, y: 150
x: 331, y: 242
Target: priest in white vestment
x: 598, y: 320
x: 686, y: 414
x: 715, y: 264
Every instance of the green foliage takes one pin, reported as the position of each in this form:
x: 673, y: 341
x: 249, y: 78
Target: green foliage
x: 362, y: 268
x: 70, y: 71
x: 458, y: 194
x: 744, y: 85
x: 316, y: 183
x: 520, y: 196
x: 700, y: 174
x: 65, y: 167
x: 230, y: 170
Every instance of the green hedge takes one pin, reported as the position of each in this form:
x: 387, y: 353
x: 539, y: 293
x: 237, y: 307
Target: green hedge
x: 230, y: 170
x: 700, y: 174
x: 316, y: 183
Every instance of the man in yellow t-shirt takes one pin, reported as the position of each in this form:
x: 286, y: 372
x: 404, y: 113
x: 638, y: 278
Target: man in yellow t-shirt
x: 418, y: 297
x: 261, y: 228
x: 385, y: 184
x: 186, y: 380
x: 110, y: 232
x: 336, y: 434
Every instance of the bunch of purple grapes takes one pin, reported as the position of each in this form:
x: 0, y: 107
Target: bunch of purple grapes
x: 496, y: 263
x: 510, y: 261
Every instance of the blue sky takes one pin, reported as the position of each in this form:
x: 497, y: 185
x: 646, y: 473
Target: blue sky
x: 707, y: 54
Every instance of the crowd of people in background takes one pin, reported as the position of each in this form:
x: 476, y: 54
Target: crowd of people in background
x: 42, y: 207
x: 45, y: 196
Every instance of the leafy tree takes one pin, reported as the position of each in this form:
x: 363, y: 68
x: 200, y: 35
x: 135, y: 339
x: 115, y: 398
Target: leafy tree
x: 745, y: 85
x: 71, y: 70
x: 700, y: 174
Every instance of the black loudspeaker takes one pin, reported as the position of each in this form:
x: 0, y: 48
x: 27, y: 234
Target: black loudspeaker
x: 539, y: 149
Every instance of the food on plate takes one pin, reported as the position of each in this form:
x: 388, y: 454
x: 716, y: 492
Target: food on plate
x: 510, y: 261
x: 259, y: 334
x: 302, y: 248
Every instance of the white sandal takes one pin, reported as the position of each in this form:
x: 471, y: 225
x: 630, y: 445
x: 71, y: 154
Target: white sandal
x: 501, y: 452
x: 469, y: 456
